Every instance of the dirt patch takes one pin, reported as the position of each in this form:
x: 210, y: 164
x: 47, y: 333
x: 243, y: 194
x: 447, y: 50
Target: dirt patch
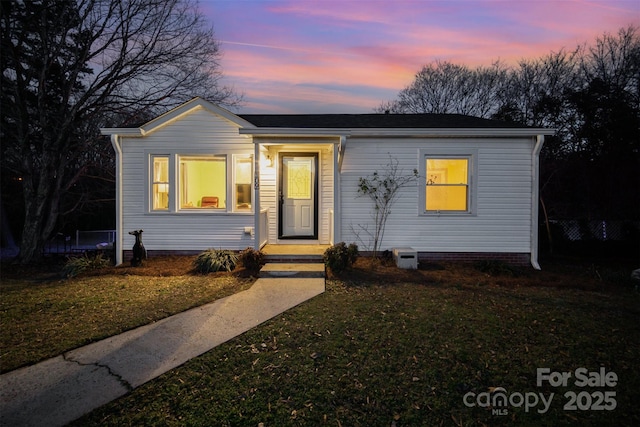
x: 559, y: 273
x: 565, y: 274
x: 157, y: 266
x: 171, y: 265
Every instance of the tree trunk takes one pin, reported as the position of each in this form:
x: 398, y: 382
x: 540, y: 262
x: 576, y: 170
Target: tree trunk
x: 41, y: 217
x: 31, y: 244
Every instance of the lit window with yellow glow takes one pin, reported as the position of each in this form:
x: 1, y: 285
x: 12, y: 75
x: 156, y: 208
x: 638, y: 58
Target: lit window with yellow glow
x: 160, y: 185
x: 243, y: 177
x: 447, y: 184
x: 202, y: 182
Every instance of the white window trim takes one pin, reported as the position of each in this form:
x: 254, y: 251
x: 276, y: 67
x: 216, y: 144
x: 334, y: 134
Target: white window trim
x: 148, y: 201
x: 178, y: 183
x: 234, y: 158
x: 454, y: 153
x: 174, y: 201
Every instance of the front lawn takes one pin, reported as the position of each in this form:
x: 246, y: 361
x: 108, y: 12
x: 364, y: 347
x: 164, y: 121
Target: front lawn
x: 383, y: 347
x: 42, y: 315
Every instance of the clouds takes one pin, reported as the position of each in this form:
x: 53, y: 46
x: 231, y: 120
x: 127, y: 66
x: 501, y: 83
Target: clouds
x: 349, y: 55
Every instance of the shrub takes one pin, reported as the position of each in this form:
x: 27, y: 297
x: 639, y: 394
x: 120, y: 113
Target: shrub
x: 495, y: 267
x: 352, y: 251
x: 77, y: 265
x: 339, y: 257
x: 252, y: 260
x: 213, y: 260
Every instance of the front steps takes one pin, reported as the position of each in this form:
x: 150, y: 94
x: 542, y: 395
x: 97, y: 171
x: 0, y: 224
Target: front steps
x: 294, y: 253
x: 293, y: 258
x: 311, y: 269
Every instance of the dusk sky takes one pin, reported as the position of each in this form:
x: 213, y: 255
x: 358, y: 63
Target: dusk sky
x: 348, y: 56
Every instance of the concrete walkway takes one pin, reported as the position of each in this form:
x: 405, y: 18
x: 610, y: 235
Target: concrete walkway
x: 62, y: 389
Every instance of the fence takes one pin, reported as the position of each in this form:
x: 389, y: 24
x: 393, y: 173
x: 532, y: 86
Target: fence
x: 574, y: 230
x: 85, y: 240
x: 92, y: 238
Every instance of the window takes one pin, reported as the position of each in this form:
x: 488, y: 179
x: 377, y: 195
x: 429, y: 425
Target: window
x: 446, y: 183
x: 198, y: 182
x: 160, y: 183
x: 243, y: 179
x: 202, y: 182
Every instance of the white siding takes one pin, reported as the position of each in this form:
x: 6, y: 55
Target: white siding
x: 199, y: 131
x: 326, y: 199
x: 501, y: 221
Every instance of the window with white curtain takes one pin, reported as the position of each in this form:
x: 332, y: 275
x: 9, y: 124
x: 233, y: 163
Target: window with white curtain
x: 160, y: 184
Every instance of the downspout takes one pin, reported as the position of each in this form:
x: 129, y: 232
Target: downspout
x: 535, y: 197
x: 115, y: 142
x: 341, y: 149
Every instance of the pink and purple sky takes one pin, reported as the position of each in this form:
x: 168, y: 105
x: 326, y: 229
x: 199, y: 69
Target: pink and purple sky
x: 348, y: 56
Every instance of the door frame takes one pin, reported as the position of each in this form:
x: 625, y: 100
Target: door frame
x: 316, y: 156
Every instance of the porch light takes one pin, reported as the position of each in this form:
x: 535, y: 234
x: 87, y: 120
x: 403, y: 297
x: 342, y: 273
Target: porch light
x: 266, y: 161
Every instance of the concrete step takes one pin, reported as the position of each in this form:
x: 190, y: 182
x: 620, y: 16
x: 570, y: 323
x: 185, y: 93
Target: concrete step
x: 293, y: 258
x: 298, y: 270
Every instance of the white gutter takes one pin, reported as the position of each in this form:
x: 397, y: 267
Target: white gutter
x: 342, y: 147
x: 535, y: 196
x: 122, y: 131
x: 294, y: 132
x: 115, y: 142
x: 395, y: 132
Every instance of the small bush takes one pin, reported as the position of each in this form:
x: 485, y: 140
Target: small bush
x: 213, y: 260
x: 77, y: 265
x: 252, y: 260
x: 494, y: 267
x: 340, y: 257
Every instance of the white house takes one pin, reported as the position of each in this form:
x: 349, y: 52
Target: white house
x: 200, y: 176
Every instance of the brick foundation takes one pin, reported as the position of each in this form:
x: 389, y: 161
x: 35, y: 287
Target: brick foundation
x: 128, y: 254
x: 516, y: 259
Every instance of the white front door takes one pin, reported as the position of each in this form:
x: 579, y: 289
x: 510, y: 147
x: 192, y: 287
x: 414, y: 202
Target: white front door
x: 298, y: 194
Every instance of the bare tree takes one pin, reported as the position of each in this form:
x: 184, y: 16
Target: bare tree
x: 71, y: 66
x: 590, y: 95
x: 383, y: 189
x: 615, y: 59
x: 447, y: 88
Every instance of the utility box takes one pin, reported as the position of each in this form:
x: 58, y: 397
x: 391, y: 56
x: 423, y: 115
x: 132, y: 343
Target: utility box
x: 406, y: 258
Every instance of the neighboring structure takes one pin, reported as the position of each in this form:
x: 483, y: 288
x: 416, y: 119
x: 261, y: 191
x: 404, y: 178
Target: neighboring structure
x: 200, y: 176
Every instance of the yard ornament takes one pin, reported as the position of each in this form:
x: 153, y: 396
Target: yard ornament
x: 139, y: 252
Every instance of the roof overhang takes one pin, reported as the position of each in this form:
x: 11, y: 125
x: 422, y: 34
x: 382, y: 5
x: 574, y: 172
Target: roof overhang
x: 132, y: 132
x: 168, y: 117
x: 294, y: 132
x: 396, y: 133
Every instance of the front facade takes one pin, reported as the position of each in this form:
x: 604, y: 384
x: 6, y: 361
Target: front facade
x: 200, y: 176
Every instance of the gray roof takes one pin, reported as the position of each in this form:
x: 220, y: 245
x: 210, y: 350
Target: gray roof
x: 355, y: 121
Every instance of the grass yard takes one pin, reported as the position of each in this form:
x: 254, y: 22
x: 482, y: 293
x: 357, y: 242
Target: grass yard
x: 384, y: 347
x: 42, y: 315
